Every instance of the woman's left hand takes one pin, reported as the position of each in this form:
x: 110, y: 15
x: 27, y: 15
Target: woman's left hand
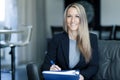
x: 81, y: 77
x: 55, y: 68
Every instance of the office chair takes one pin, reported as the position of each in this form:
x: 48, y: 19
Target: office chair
x: 117, y: 32
x: 106, y: 32
x: 56, y: 29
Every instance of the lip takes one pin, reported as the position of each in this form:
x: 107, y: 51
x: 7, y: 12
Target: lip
x: 73, y: 24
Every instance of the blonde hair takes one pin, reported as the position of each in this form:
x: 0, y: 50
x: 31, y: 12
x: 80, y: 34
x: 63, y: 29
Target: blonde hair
x: 83, y: 40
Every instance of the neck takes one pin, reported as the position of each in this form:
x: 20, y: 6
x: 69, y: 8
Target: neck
x: 72, y: 35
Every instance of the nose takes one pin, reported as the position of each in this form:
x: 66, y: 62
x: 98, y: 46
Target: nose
x: 73, y: 19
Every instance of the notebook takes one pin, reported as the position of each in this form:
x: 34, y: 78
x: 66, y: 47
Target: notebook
x: 61, y: 75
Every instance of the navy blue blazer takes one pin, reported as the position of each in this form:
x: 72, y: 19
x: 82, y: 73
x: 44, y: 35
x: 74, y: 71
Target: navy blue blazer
x: 58, y: 51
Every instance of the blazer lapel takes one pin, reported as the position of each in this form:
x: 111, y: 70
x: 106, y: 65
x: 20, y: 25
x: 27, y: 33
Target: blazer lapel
x: 65, y: 47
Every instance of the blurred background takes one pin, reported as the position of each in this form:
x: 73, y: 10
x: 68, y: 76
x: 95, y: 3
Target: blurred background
x: 103, y: 17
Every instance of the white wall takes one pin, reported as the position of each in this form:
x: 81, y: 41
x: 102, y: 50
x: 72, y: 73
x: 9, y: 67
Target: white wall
x: 54, y: 14
x: 27, y: 16
x: 110, y: 12
x: 41, y: 14
x: 31, y: 12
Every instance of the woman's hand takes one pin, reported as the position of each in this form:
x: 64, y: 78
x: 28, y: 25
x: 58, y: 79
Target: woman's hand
x: 81, y: 77
x: 55, y: 68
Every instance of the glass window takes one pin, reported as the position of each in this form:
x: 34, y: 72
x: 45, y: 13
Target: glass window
x: 2, y: 10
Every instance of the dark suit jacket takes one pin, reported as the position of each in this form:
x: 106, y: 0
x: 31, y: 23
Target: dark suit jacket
x: 58, y: 51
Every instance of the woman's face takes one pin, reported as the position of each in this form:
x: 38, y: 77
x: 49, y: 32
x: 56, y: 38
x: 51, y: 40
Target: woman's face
x: 72, y: 19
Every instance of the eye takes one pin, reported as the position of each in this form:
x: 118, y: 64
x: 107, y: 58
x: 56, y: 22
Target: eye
x: 77, y: 16
x: 68, y: 15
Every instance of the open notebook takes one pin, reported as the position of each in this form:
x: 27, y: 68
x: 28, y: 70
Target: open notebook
x: 61, y: 75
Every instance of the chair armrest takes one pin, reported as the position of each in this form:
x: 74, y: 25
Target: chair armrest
x: 33, y: 71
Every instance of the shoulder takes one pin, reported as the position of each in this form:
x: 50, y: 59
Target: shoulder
x: 57, y: 38
x: 94, y: 41
x: 61, y: 35
x: 93, y: 36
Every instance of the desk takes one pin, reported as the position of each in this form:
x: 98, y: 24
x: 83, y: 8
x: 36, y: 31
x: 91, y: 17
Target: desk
x: 1, y: 46
x: 12, y: 52
x: 12, y: 45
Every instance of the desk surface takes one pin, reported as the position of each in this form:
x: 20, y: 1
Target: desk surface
x: 3, y: 46
x: 9, y: 44
x: 10, y: 31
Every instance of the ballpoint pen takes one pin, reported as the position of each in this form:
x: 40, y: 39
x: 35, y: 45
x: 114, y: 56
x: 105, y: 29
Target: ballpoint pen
x: 55, y: 66
x: 52, y: 63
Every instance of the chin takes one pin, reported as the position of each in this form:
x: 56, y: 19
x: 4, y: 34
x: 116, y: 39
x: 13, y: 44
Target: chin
x: 74, y: 29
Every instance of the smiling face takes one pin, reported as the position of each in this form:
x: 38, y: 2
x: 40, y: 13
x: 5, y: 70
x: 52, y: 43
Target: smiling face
x: 72, y: 19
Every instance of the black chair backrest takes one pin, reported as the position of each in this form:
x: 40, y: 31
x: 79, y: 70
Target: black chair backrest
x: 32, y: 72
x: 56, y: 29
x: 104, y: 30
x: 117, y: 32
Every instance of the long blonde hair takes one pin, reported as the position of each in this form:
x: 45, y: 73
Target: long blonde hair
x: 83, y: 40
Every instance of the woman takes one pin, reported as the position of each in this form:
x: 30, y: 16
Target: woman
x: 76, y: 48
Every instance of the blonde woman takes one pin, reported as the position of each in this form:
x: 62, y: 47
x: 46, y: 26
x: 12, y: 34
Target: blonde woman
x: 75, y: 48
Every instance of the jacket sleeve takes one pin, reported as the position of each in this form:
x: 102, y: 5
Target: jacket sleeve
x: 92, y: 67
x: 51, y: 53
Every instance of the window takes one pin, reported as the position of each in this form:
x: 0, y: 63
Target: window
x: 2, y: 10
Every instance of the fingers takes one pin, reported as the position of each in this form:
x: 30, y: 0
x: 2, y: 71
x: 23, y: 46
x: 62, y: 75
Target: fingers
x: 81, y: 77
x: 55, y: 68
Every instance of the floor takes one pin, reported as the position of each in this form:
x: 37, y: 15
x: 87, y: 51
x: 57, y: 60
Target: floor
x: 20, y: 74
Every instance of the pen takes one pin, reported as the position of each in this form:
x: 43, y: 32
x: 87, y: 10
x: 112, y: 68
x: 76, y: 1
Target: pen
x: 52, y: 63
x: 57, y: 68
